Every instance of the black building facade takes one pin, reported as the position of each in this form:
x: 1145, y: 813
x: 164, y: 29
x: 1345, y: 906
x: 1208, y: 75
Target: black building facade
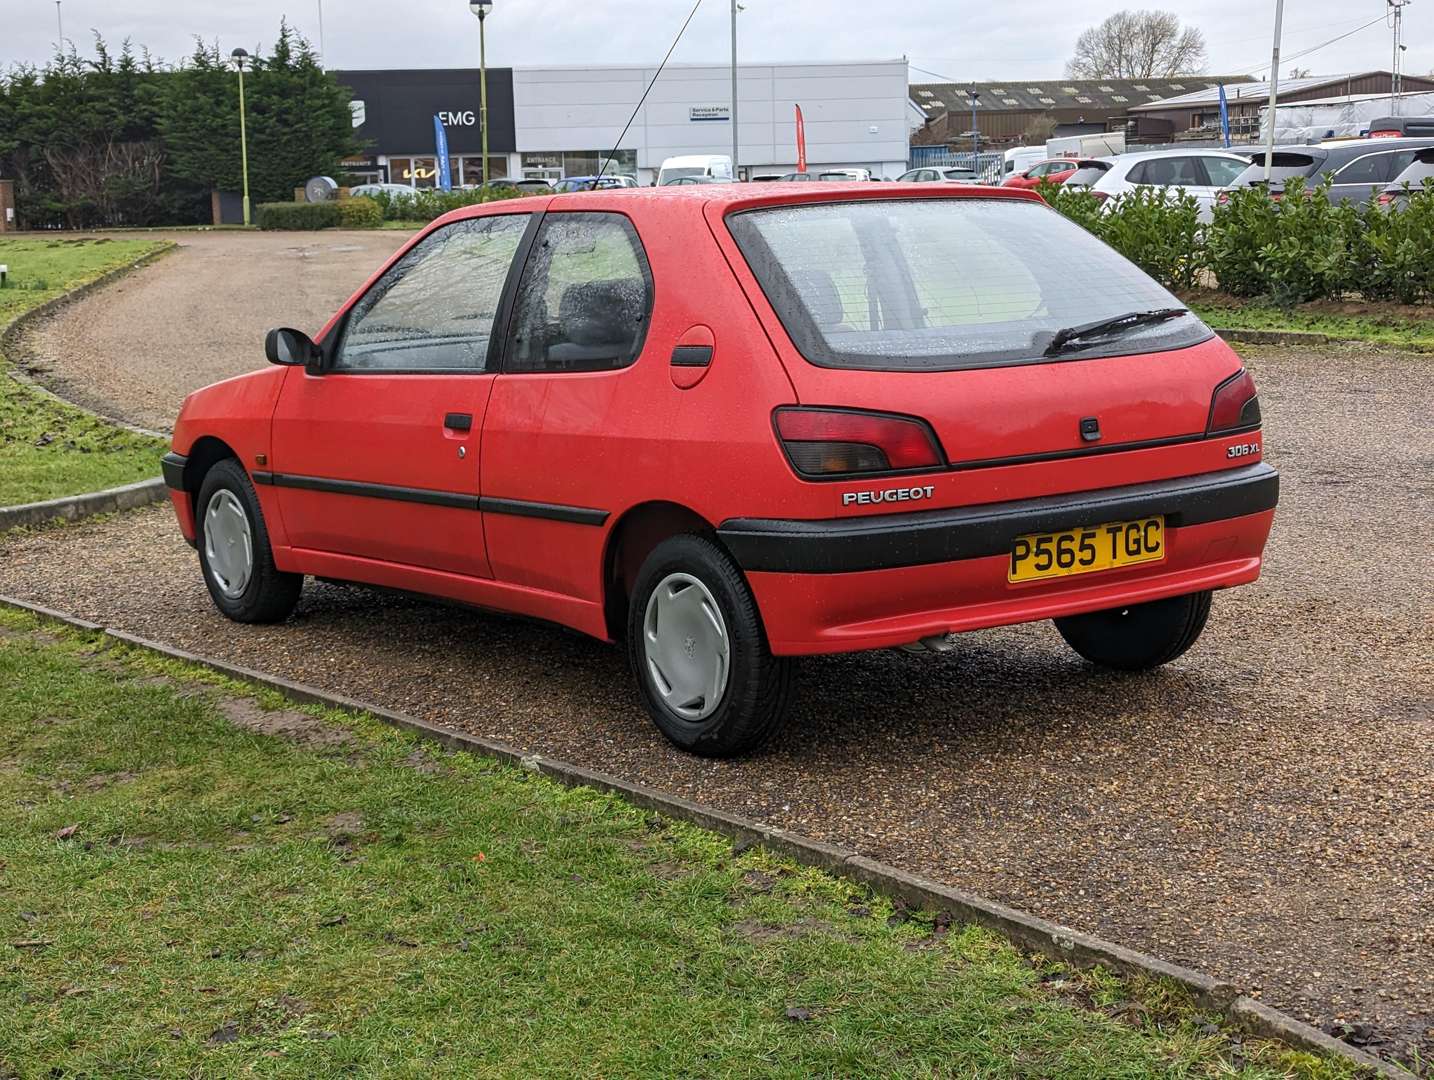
x: 393, y: 115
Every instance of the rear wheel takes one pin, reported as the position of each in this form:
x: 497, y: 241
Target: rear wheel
x: 234, y: 552
x: 1140, y: 636
x: 699, y: 652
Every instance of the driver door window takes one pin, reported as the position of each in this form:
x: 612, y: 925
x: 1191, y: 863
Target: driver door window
x: 434, y: 310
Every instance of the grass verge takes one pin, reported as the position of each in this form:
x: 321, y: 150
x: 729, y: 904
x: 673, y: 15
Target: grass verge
x: 1380, y: 324
x: 197, y: 880
x: 49, y: 449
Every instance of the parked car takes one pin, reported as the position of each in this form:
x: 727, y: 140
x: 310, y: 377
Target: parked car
x: 1053, y: 170
x: 370, y: 190
x: 1199, y: 173
x: 1088, y: 171
x: 944, y: 174
x: 863, y: 175
x: 593, y: 183
x: 798, y: 177
x: 736, y: 426
x: 1416, y: 175
x: 716, y: 166
x: 529, y: 185
x: 1360, y: 167
x: 679, y: 181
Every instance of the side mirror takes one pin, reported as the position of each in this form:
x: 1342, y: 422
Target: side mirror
x: 285, y: 345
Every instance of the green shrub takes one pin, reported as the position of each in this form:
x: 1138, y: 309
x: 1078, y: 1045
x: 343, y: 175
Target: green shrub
x: 1076, y: 203
x: 1294, y: 250
x: 297, y: 215
x: 1393, y: 251
x: 1160, y: 231
x: 360, y: 213
x: 425, y: 204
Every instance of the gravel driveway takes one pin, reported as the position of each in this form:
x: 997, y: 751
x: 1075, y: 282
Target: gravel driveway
x: 1263, y: 809
x: 137, y: 347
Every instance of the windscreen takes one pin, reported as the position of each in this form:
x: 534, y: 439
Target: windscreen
x: 944, y: 284
x: 672, y: 174
x: 1284, y: 167
x: 1418, y: 170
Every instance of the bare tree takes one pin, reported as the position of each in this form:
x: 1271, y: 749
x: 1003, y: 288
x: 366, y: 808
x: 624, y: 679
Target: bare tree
x: 1138, y: 45
x: 1040, y: 128
x: 1299, y: 73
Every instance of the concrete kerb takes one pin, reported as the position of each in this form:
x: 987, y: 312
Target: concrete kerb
x: 73, y: 507
x: 1280, y: 337
x: 1027, y: 931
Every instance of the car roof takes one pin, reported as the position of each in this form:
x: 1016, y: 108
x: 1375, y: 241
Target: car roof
x: 726, y: 197
x: 1195, y: 151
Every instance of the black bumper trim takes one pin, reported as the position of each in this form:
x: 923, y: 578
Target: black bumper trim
x: 889, y: 541
x: 172, y: 466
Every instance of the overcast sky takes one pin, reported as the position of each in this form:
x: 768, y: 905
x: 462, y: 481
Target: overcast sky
x: 1028, y: 39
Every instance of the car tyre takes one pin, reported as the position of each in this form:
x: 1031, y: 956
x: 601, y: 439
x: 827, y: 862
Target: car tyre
x: 234, y: 552
x: 700, y: 654
x: 1138, y: 637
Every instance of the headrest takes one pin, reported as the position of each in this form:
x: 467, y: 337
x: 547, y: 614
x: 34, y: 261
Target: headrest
x: 602, y: 312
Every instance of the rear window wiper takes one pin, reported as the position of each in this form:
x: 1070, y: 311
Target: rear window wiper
x: 1110, y: 327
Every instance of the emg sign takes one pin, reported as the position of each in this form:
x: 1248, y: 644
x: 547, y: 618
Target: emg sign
x: 464, y: 118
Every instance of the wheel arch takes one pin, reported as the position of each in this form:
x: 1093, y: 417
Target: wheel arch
x: 631, y: 539
x: 207, y: 451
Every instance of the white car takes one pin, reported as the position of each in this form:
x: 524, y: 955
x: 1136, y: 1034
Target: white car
x: 1200, y: 173
x: 943, y: 174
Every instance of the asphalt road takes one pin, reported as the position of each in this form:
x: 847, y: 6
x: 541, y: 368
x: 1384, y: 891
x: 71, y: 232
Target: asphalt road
x: 1262, y: 809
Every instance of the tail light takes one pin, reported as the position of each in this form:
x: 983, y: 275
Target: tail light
x: 1100, y: 196
x: 1386, y: 198
x: 1223, y: 198
x: 1235, y: 405
x: 839, y: 442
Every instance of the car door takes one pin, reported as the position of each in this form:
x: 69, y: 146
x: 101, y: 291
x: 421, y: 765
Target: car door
x: 557, y: 426
x: 1214, y: 174
x: 378, y: 455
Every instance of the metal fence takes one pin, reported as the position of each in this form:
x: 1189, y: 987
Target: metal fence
x: 988, y: 166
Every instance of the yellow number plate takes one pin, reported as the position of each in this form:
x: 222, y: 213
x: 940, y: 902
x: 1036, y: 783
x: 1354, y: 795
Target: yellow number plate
x: 1082, y: 551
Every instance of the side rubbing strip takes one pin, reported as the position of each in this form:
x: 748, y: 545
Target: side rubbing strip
x: 577, y: 515
x: 455, y: 499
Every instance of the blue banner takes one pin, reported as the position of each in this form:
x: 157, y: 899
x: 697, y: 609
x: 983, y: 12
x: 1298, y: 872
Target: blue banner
x: 1224, y: 116
x: 440, y: 147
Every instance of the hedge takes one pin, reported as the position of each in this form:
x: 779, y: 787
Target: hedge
x: 425, y: 204
x: 360, y: 213
x: 1300, y: 248
x: 297, y: 215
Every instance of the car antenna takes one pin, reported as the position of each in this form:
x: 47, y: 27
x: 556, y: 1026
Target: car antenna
x: 602, y: 171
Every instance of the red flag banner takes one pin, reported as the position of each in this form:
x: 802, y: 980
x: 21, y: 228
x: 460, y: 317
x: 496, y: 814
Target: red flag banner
x: 801, y: 142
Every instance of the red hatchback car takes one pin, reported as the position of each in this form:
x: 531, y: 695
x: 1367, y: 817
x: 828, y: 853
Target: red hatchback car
x: 1054, y: 171
x: 733, y: 425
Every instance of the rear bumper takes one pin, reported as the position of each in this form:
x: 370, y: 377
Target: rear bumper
x: 878, y: 581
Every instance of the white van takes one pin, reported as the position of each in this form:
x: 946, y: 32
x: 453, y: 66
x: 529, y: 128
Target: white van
x: 1020, y: 158
x: 708, y: 166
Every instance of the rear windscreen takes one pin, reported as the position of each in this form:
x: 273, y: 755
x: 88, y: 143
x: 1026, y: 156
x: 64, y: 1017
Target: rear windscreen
x: 943, y: 284
x: 1284, y: 167
x: 1086, y: 175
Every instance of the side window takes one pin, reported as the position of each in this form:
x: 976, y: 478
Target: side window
x: 1137, y: 173
x: 1169, y: 172
x: 1370, y: 169
x: 585, y: 297
x: 1221, y: 172
x: 434, y: 309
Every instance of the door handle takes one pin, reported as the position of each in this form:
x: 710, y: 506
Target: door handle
x: 458, y: 421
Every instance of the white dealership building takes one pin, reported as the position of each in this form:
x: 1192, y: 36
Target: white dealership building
x: 855, y: 115
x: 551, y: 122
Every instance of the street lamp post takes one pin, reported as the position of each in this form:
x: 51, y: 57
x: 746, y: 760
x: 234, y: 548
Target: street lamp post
x: 239, y: 56
x: 975, y: 131
x: 480, y: 8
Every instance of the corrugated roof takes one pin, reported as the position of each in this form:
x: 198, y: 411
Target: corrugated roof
x: 1040, y: 95
x: 1236, y: 92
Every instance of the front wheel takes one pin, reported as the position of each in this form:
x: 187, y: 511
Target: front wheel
x: 234, y: 552
x: 697, y: 647
x: 1140, y: 636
